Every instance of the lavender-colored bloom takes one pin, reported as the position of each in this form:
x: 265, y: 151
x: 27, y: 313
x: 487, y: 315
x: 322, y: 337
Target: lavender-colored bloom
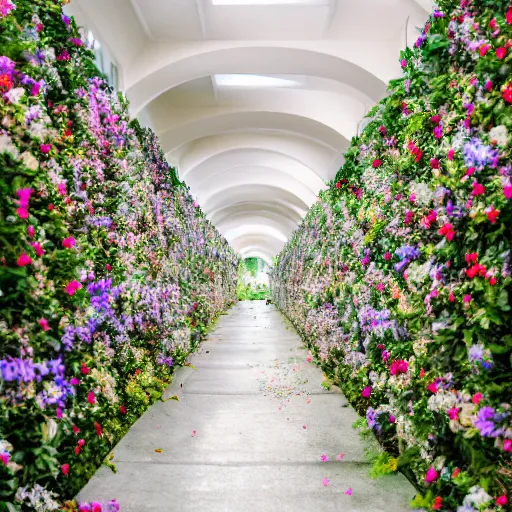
x: 485, y: 423
x: 476, y: 353
x: 99, y: 222
x: 438, y: 14
x: 32, y: 113
x: 479, y: 155
x: 7, y: 66
x: 370, y: 417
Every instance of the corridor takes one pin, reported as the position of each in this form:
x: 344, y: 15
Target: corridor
x: 248, y: 434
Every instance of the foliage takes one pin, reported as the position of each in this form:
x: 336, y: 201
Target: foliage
x: 399, y: 277
x: 110, y: 273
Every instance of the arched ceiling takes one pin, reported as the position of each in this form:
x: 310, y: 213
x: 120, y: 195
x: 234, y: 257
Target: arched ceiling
x: 254, y: 104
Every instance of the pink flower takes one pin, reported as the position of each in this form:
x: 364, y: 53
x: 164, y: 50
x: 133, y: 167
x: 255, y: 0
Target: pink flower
x: 376, y: 163
x: 65, y: 469
x: 432, y: 387
x: 74, y: 381
x: 72, y: 287
x: 81, y: 443
x: 507, y: 191
x: 367, y: 391
x: 24, y: 195
x: 194, y: 432
x: 387, y: 256
x: 451, y: 154
x: 380, y: 287
x: 61, y: 187
x: 85, y: 370
x: 488, y: 85
x: 24, y: 260
x: 392, y: 419
x: 431, y: 476
x: 340, y: 456
x: 43, y: 322
x: 507, y: 445
x: 68, y: 243
x: 502, y: 500
x: 399, y: 366
x: 38, y: 248
x: 467, y: 298
x: 349, y: 491
x: 447, y: 231
x: 434, y: 163
x: 385, y: 355
x: 95, y: 506
x: 477, y: 398
x: 324, y: 458
x: 403, y: 63
x: 31, y: 231
x: 108, y: 267
x: 453, y: 413
x: 22, y: 213
x: 45, y: 148
x: 484, y: 49
x: 91, y: 397
x: 325, y: 481
x: 478, y: 189
x: 501, y: 53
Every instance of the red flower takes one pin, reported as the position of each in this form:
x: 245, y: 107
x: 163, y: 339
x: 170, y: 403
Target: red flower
x: 501, y: 53
x: 51, y: 207
x: 99, y: 430
x: 409, y: 216
x: 492, y: 215
x: 5, y: 82
x: 456, y: 472
x: 387, y: 256
x: 438, y: 503
x: 84, y: 370
x: 435, y: 119
x: 108, y: 267
x: 476, y: 270
x: 422, y: 373
x: 478, y: 189
x: 447, y: 231
x: 451, y: 154
x: 24, y: 260
x: 484, y: 49
x: 81, y: 443
x: 122, y: 410
x: 75, y: 429
x: 434, y: 163
x: 382, y: 130
x: 509, y: 16
x: 338, y: 184
x: 376, y: 163
x: 507, y: 93
x: 65, y: 469
x: 471, y: 257
x: 77, y: 450
x: 493, y: 281
x: 399, y: 366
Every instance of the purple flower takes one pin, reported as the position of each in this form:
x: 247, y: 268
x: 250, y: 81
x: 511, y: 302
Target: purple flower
x: 479, y: 155
x: 484, y: 422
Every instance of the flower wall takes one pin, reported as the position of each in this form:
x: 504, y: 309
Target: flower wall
x: 399, y: 278
x: 109, y: 272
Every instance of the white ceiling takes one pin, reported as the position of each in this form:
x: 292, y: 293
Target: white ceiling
x: 255, y: 157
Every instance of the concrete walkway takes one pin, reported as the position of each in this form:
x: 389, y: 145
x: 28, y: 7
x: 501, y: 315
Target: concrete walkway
x: 247, y: 434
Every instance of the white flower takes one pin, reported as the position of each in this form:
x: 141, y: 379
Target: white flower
x: 15, y: 95
x: 38, y: 130
x: 499, y: 134
x: 30, y: 161
x: 6, y: 146
x: 423, y: 193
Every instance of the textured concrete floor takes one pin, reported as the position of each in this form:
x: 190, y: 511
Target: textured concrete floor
x: 247, y: 434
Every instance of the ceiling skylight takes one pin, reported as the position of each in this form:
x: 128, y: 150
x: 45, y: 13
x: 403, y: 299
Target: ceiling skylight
x: 270, y: 2
x: 242, y: 80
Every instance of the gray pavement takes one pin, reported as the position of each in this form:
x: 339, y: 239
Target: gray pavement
x: 247, y: 434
